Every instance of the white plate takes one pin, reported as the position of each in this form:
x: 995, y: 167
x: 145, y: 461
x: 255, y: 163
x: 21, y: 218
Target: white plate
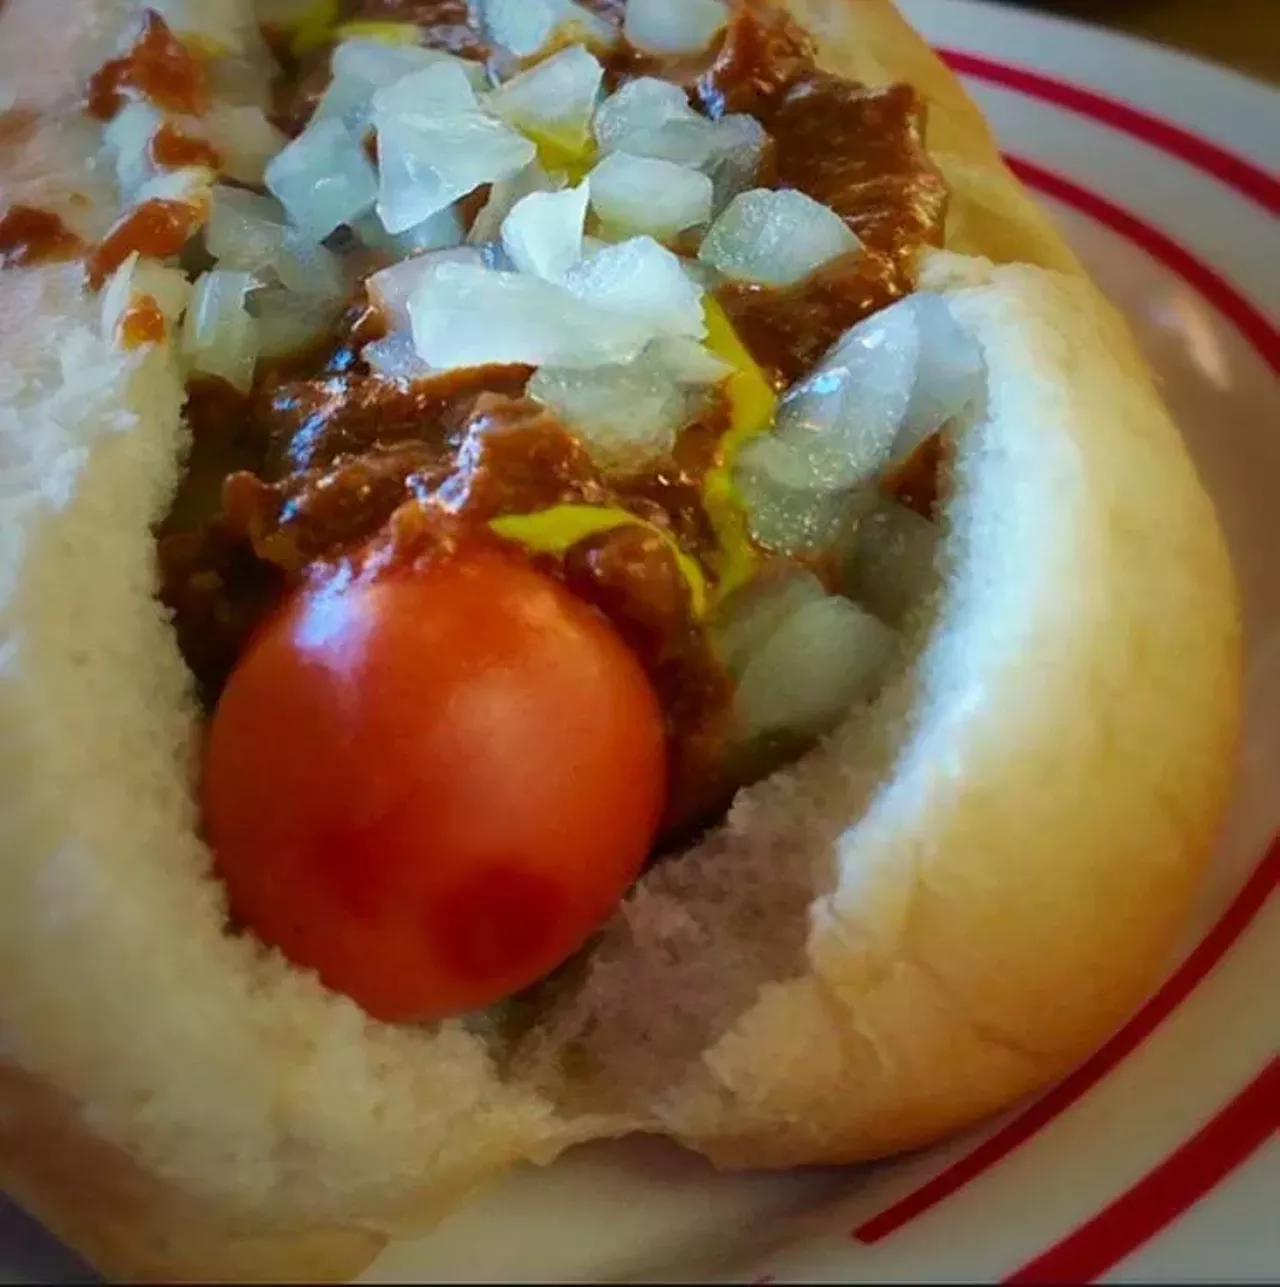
x: 1158, y: 1159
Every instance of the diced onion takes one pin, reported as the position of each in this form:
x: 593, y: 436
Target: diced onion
x: 440, y: 89
x: 503, y: 195
x: 394, y: 358
x: 436, y: 232
x: 647, y: 195
x: 949, y: 379
x: 555, y: 99
x: 890, y: 381
x: 127, y: 137
x: 390, y: 289
x: 215, y: 27
x: 775, y: 238
x: 643, y: 281
x: 543, y: 233
x: 794, y: 520
x: 627, y: 416
x: 688, y: 362
x: 308, y: 268
x: 674, y: 26
x: 891, y: 566
x: 218, y: 336
x: 244, y: 230
x: 643, y: 104
x: 811, y: 669
x: 526, y: 27
x: 426, y: 163
x: 748, y: 616
x: 244, y: 138
x: 168, y: 288
x: 468, y: 316
x: 522, y: 27
x: 361, y: 67
x: 323, y: 179
x: 289, y: 322
x: 580, y: 21
x: 734, y: 166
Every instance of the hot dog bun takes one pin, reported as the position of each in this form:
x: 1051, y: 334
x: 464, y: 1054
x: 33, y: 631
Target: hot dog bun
x: 940, y: 908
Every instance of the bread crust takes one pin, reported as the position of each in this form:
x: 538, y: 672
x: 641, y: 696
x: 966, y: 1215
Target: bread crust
x: 923, y: 997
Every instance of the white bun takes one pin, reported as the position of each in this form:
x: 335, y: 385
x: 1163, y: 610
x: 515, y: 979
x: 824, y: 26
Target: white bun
x: 939, y: 909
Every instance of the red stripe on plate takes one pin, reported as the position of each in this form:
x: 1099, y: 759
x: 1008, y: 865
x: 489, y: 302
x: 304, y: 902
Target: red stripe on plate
x: 1165, y: 1193
x: 1242, y: 176
x: 1181, y: 983
x: 1259, y: 331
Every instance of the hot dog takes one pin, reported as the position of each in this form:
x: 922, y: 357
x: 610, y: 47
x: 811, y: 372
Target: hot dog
x: 579, y: 570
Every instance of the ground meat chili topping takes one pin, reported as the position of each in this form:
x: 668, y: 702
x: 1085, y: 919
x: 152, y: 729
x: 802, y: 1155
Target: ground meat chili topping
x: 157, y: 228
x: 158, y: 68
x: 30, y: 236
x: 325, y: 470
x: 172, y: 148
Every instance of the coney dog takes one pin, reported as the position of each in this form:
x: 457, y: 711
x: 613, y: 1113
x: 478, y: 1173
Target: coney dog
x: 577, y: 570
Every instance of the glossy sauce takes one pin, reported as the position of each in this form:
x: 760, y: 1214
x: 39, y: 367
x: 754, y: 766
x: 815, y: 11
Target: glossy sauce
x: 142, y: 323
x: 917, y: 481
x: 158, y: 68
x: 172, y: 148
x: 30, y: 236
x: 157, y: 228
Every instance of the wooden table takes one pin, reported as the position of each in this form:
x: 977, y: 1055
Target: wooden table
x: 1242, y: 34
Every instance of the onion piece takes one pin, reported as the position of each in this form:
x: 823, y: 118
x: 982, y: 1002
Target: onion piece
x: 218, y: 335
x: 775, y: 238
x: 890, y: 381
x: 213, y: 27
x: 674, y: 26
x: 426, y: 163
x: 244, y: 138
x: 751, y: 613
x: 289, y: 322
x: 646, y: 103
x: 526, y: 27
x: 437, y: 232
x: 522, y: 27
x: 891, y: 564
x: 811, y: 669
x: 503, y: 195
x: 168, y: 289
x: 627, y: 416
x: 244, y: 230
x: 247, y: 231
x: 739, y: 147
x: 554, y: 100
x: 308, y: 268
x: 440, y: 89
x: 648, y: 195
x: 127, y: 139
x: 543, y: 233
x: 361, y: 67
x: 643, y: 281
x: 795, y: 521
x: 949, y: 378
x: 390, y: 289
x: 688, y: 362
x: 469, y: 316
x: 394, y: 358
x: 323, y: 179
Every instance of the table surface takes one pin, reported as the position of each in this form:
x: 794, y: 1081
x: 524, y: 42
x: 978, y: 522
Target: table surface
x: 1241, y: 34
